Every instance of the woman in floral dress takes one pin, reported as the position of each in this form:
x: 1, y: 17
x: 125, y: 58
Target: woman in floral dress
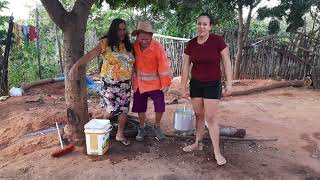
x: 116, y: 50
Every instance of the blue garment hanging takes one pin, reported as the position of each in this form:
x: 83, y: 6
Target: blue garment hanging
x: 25, y: 32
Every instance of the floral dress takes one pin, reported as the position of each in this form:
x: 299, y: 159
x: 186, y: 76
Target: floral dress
x: 116, y: 74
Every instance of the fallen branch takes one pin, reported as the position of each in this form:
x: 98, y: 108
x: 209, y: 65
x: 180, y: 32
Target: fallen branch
x: 26, y: 86
x: 294, y: 83
x: 223, y: 138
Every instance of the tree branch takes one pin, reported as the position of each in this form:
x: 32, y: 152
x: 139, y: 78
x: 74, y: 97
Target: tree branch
x: 247, y: 25
x: 56, y: 11
x: 82, y: 7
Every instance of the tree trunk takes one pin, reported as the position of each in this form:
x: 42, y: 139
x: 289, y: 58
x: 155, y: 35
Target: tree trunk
x: 3, y: 77
x: 73, y: 25
x: 59, y: 49
x: 75, y: 91
x: 238, y: 57
x: 247, y: 26
x: 4, y: 87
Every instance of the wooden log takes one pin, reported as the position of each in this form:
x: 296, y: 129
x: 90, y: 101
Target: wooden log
x: 223, y: 138
x: 294, y: 83
x: 26, y: 86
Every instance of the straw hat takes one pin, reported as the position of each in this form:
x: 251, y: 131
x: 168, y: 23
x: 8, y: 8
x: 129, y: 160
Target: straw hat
x: 143, y: 26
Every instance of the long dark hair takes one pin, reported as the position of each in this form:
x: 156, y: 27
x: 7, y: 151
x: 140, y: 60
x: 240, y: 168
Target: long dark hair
x: 112, y: 36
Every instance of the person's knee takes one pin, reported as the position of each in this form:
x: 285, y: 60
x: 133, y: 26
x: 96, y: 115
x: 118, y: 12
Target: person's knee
x: 122, y: 116
x: 211, y: 118
x: 159, y: 113
x: 199, y: 115
x: 142, y: 115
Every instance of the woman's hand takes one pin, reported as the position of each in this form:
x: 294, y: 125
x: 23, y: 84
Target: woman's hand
x: 227, y: 91
x: 183, y: 92
x: 228, y: 70
x: 93, y: 53
x: 165, y: 89
x: 74, y: 72
x: 185, y: 76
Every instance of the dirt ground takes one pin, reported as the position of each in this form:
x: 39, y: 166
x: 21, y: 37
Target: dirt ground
x: 290, y: 115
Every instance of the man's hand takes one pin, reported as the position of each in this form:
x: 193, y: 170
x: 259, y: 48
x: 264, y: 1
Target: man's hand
x: 164, y: 89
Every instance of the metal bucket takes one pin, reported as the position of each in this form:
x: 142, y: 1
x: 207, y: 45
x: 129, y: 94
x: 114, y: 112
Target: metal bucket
x: 183, y: 120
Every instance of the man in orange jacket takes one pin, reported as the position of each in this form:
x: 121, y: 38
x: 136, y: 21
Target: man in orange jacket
x: 151, y: 77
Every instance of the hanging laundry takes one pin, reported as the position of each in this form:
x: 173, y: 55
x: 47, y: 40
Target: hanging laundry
x: 25, y: 32
x: 17, y: 28
x: 33, y: 34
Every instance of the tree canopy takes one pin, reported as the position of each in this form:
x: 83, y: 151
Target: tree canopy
x: 292, y: 11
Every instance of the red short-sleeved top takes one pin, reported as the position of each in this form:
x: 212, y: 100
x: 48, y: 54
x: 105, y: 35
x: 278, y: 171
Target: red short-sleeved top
x: 206, y: 58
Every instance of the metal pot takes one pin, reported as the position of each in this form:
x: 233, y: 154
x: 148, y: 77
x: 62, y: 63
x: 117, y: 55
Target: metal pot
x: 183, y: 120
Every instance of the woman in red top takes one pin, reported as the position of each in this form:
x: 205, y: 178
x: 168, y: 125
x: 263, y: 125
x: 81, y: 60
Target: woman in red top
x: 205, y: 52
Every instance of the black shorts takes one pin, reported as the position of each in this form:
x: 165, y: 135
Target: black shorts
x: 205, y: 89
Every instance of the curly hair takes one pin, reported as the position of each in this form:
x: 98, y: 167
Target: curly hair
x: 113, y: 38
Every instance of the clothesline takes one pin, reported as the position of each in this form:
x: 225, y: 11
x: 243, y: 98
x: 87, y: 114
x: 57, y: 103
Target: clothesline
x: 25, y: 32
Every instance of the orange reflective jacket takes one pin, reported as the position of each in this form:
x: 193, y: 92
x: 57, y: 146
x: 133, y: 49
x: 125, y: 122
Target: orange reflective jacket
x: 152, y: 71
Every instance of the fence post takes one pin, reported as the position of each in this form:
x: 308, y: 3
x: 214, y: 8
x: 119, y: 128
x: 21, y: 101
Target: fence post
x: 38, y: 44
x: 4, y: 62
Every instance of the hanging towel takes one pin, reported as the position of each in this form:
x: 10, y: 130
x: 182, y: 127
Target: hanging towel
x: 25, y: 32
x: 18, y: 32
x: 33, y: 34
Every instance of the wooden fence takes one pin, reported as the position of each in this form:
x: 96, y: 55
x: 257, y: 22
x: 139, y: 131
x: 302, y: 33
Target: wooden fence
x: 291, y: 57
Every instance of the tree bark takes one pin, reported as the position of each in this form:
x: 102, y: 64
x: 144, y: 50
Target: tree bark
x: 59, y: 49
x: 56, y: 12
x: 4, y: 87
x: 238, y: 57
x: 3, y: 77
x: 73, y: 25
x: 75, y: 91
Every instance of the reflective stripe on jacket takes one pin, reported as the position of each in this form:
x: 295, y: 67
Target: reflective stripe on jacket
x: 152, y: 71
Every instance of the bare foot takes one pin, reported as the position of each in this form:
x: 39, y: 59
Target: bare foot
x: 193, y: 147
x: 123, y: 140
x: 119, y: 137
x: 220, y: 160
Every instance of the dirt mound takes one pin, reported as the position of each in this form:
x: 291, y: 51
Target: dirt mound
x: 56, y: 88
x: 20, y: 115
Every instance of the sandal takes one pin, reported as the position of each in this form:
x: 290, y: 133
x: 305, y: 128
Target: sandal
x: 223, y: 162
x: 124, y: 141
x: 191, y: 148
